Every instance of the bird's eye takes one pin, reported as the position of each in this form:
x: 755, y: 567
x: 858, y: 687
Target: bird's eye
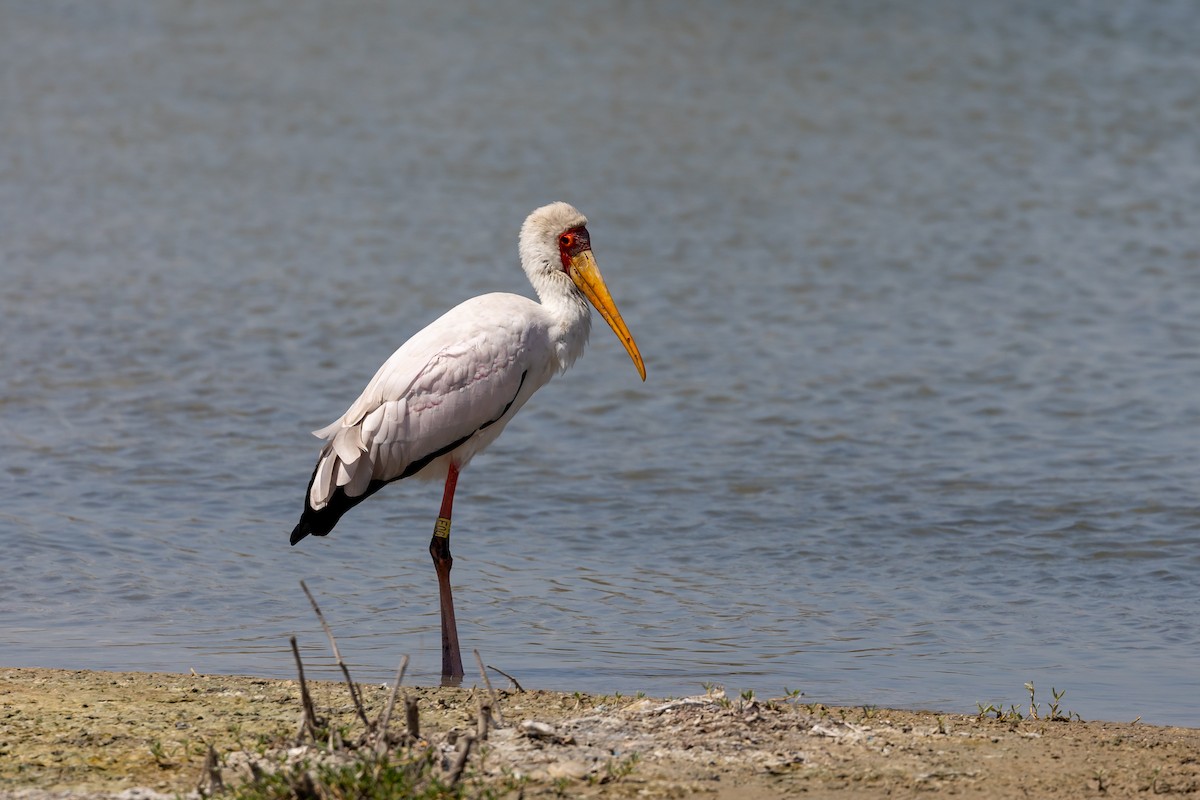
x: 566, y: 240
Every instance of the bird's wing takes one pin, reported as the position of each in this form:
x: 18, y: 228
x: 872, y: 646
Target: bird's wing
x: 449, y: 381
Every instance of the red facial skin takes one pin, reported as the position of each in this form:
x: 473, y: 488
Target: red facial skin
x: 571, y: 243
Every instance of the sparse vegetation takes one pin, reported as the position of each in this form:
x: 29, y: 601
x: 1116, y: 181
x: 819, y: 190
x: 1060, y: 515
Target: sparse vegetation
x: 1013, y: 714
x: 997, y: 712
x: 616, y: 768
x: 412, y: 776
x: 331, y: 762
x: 94, y: 731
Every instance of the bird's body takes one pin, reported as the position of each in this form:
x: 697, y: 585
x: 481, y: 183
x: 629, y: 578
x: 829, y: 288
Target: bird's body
x: 455, y: 384
x: 449, y: 391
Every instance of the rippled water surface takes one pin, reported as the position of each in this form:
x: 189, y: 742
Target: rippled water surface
x: 918, y: 288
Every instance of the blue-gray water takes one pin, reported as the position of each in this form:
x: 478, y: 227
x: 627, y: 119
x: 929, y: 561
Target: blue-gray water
x: 918, y: 288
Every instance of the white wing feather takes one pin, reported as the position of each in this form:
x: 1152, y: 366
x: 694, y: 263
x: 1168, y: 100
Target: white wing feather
x: 475, y: 364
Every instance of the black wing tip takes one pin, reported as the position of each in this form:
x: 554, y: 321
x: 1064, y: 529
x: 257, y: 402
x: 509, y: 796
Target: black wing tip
x: 298, y: 533
x: 313, y: 523
x: 319, y: 522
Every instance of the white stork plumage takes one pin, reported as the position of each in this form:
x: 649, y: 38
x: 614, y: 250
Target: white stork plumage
x: 448, y: 392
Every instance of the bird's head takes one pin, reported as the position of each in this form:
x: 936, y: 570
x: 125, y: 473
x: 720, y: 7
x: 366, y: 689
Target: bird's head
x: 555, y: 244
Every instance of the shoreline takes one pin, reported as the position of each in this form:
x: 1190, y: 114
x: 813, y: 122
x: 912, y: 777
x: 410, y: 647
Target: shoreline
x: 87, y: 733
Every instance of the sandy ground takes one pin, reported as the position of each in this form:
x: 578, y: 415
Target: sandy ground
x: 68, y: 733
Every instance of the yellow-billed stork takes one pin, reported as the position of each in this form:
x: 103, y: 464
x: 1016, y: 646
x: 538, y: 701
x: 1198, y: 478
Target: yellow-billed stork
x: 448, y: 392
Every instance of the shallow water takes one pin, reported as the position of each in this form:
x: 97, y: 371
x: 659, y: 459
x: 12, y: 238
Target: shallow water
x: 917, y: 291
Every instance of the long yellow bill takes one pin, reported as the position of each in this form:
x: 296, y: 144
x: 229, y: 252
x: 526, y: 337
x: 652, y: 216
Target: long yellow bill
x: 587, y: 277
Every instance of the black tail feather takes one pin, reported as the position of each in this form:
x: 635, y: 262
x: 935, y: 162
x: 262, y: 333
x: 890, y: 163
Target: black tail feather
x: 319, y: 522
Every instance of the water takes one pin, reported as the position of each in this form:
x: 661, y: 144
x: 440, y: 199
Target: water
x: 917, y: 289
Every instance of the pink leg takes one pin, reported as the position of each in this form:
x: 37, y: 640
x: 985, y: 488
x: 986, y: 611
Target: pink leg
x: 439, y: 548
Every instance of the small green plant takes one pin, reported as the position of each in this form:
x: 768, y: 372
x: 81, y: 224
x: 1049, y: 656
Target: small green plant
x: 998, y: 712
x: 371, y: 776
x: 616, y: 770
x: 367, y: 778
x: 869, y: 711
x: 1056, y: 712
x: 160, y: 755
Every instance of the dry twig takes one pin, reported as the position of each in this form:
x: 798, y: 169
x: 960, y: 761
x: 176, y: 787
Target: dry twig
x: 485, y: 715
x: 413, y: 717
x: 491, y: 691
x: 338, y: 657
x: 310, y: 714
x: 211, y: 782
x: 518, y: 686
x: 384, y: 718
x: 460, y: 762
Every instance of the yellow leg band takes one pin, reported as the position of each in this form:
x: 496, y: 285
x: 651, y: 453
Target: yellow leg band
x: 442, y: 528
